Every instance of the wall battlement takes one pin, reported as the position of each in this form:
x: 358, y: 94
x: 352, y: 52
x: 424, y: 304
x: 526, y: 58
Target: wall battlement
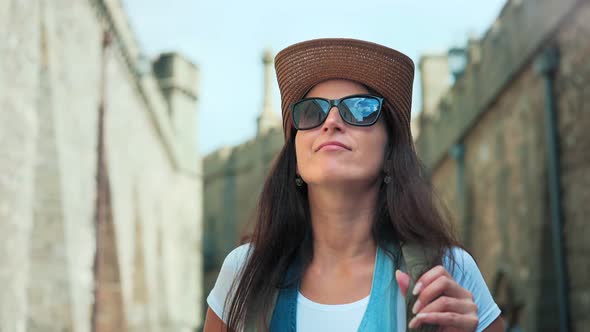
x: 112, y: 15
x: 506, y: 47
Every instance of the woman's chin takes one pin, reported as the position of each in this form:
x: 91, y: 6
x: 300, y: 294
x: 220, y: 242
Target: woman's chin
x: 336, y: 179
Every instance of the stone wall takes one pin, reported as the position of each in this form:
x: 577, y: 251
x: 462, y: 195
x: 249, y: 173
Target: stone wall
x: 19, y: 90
x: 50, y: 91
x: 233, y: 179
x: 496, y: 112
x: 573, y: 103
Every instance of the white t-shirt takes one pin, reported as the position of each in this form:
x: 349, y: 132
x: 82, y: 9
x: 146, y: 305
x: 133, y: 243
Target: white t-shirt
x: 316, y: 317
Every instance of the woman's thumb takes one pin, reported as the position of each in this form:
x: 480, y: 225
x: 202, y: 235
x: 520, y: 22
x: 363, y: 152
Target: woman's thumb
x: 403, y: 280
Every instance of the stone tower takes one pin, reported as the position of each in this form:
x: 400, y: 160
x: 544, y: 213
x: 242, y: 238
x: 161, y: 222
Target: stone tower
x: 178, y: 80
x: 435, y: 78
x: 267, y: 119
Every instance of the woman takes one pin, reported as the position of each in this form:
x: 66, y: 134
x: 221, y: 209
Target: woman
x: 344, y: 200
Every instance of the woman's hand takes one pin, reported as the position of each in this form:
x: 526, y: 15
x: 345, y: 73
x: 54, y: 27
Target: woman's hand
x: 441, y: 301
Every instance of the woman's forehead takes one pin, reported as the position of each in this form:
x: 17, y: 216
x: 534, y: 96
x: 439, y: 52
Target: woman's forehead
x: 336, y: 88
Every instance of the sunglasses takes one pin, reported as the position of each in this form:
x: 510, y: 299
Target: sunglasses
x: 356, y: 110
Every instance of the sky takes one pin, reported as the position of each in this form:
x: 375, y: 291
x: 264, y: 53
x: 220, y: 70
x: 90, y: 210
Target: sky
x: 226, y: 39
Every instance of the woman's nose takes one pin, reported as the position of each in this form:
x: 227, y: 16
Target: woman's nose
x: 334, y: 120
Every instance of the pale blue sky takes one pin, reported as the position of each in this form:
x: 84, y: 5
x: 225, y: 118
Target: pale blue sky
x: 226, y: 38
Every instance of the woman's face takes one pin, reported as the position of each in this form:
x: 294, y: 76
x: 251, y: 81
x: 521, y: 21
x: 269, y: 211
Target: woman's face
x: 359, y: 159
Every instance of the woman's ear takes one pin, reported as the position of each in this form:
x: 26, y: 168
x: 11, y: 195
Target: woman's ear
x: 387, y: 166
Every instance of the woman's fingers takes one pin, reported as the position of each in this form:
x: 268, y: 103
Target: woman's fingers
x: 450, y: 304
x: 442, y: 285
x: 441, y: 301
x: 403, y: 280
x: 446, y: 319
x: 428, y: 277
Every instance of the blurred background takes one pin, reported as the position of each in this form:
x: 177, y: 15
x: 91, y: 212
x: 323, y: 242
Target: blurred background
x: 135, y: 136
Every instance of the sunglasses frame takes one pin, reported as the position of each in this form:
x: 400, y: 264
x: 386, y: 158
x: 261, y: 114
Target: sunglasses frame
x: 337, y: 102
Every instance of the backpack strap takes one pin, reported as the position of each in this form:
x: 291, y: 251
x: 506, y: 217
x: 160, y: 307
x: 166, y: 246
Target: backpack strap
x: 416, y: 258
x: 284, y: 299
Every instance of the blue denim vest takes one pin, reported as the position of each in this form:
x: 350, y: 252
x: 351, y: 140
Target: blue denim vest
x: 381, y: 313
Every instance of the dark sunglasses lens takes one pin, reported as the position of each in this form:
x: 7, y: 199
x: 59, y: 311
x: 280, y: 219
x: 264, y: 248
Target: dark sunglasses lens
x: 310, y: 113
x: 361, y: 110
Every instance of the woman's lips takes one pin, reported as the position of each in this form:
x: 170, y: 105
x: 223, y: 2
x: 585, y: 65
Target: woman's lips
x: 332, y: 146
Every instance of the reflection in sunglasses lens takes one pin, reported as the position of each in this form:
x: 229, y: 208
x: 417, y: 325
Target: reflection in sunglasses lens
x: 361, y: 110
x: 310, y: 113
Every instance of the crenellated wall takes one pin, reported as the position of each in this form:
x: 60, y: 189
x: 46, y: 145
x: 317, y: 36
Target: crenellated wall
x: 495, y: 112
x: 509, y: 44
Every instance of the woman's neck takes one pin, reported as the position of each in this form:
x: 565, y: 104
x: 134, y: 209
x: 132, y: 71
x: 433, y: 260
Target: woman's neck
x: 342, y: 224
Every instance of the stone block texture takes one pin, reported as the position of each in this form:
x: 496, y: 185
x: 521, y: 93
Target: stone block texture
x: 60, y: 270
x: 504, y: 217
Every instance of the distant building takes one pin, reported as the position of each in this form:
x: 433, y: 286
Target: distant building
x: 485, y: 141
x: 100, y: 177
x: 233, y: 179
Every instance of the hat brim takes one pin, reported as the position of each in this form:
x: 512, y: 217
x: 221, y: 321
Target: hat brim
x: 301, y: 66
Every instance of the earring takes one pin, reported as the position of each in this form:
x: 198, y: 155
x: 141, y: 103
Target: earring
x: 387, y: 179
x: 298, y: 181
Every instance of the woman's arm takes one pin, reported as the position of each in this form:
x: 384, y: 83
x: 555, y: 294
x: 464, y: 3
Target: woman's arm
x: 221, y: 291
x: 213, y: 323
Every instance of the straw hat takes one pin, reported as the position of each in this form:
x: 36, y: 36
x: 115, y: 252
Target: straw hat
x: 301, y: 66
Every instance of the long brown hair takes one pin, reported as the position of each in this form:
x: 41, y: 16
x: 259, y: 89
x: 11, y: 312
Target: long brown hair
x: 407, y: 210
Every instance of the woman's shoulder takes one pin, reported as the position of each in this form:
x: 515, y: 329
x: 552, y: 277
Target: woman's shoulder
x: 237, y: 257
x: 459, y: 256
x: 232, y: 265
x: 463, y: 267
x: 459, y: 262
x: 230, y: 269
